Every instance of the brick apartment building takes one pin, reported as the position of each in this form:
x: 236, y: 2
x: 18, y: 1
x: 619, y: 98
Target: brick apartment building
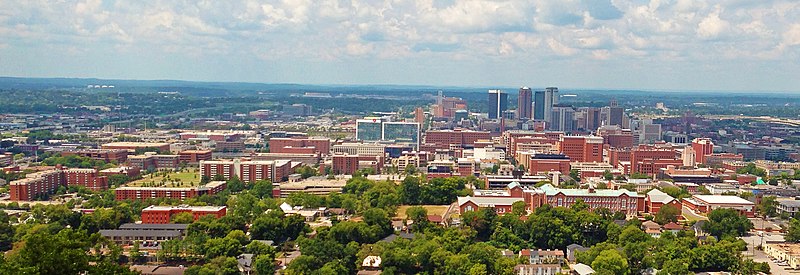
x: 155, y: 162
x: 582, y: 148
x: 300, y: 145
x: 248, y: 170
x: 162, y: 214
x: 107, y: 155
x: 442, y: 139
x: 133, y: 146
x: 615, y: 200
x: 543, y: 163
x: 346, y: 164
x: 142, y: 193
x: 649, y: 160
x: 47, y: 182
x: 194, y: 156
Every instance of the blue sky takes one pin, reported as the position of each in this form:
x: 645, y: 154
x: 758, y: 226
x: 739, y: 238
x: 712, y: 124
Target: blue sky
x: 617, y: 44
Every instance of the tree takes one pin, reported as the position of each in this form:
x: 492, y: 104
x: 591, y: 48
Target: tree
x: 218, y: 266
x: 378, y: 217
x: 262, y: 189
x: 264, y: 265
x: 667, y: 213
x: 725, y: 222
x: 410, y: 190
x: 182, y: 217
x: 235, y: 185
x: 607, y: 175
x: 768, y: 206
x: 610, y: 262
x: 135, y: 253
x: 574, y: 174
x: 793, y: 232
x: 419, y: 215
x: 518, y: 208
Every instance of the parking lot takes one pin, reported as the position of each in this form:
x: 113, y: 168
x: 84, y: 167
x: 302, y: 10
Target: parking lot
x: 754, y: 240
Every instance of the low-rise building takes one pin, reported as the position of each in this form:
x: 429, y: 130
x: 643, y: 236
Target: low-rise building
x: 788, y: 206
x: 194, y: 156
x: 107, y: 155
x: 47, y: 182
x: 130, y: 233
x: 788, y: 252
x: 134, y: 146
x: 706, y: 203
x: 656, y: 199
x: 162, y: 214
x: 142, y: 193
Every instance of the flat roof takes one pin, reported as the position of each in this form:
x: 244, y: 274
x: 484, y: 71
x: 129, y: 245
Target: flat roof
x: 551, y: 191
x: 183, y: 207
x: 153, y: 226
x: 722, y: 199
x: 137, y: 144
x: 489, y: 201
x: 140, y: 232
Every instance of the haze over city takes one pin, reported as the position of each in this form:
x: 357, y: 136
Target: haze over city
x: 662, y: 45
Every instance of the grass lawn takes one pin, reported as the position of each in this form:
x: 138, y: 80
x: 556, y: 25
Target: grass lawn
x: 432, y: 210
x: 185, y: 178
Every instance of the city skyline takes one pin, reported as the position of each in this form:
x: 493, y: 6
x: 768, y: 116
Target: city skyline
x: 686, y: 45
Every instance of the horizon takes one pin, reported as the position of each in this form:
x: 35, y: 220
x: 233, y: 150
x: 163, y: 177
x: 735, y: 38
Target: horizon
x: 507, y: 89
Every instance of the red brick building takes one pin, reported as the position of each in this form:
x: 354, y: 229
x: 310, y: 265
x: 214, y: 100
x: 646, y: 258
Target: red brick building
x: 655, y: 199
x: 615, y: 200
x: 300, y: 145
x: 47, y: 182
x: 142, y: 193
x: 346, y: 164
x: 247, y: 170
x: 649, y: 160
x: 133, y: 146
x: 130, y: 171
x: 442, y: 139
x: 702, y: 148
x: 163, y: 214
x: 194, y: 156
x: 107, y: 155
x: 543, y: 163
x: 706, y: 203
x: 155, y: 162
x: 582, y: 148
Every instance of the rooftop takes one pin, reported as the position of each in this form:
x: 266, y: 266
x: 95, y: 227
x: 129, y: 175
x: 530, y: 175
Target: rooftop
x: 488, y: 201
x: 150, y: 226
x: 183, y: 207
x: 656, y: 195
x: 721, y: 199
x: 551, y: 191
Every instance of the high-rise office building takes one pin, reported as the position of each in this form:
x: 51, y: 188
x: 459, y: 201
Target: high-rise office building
x: 702, y: 147
x: 563, y: 118
x: 525, y: 103
x: 615, y: 114
x: 369, y: 129
x: 498, y: 102
x: 550, y: 99
x: 538, y: 105
x: 406, y: 132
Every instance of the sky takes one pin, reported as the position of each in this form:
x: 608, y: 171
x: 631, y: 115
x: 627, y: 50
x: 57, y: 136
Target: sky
x: 736, y: 45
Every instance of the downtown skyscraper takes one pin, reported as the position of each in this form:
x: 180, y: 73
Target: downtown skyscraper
x: 497, y: 103
x: 525, y: 103
x: 543, y: 104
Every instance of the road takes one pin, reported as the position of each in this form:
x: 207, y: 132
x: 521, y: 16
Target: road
x: 690, y: 215
x: 754, y: 240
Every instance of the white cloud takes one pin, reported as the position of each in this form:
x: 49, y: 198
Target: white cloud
x: 712, y: 26
x: 669, y: 33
